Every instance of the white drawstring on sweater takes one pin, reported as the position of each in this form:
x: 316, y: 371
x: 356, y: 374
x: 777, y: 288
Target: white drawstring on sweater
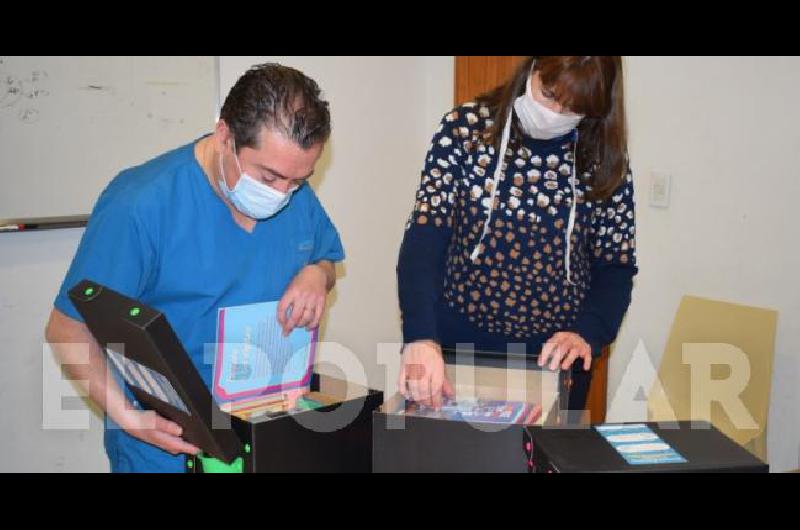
x: 496, y: 184
x: 501, y: 155
x: 571, y: 224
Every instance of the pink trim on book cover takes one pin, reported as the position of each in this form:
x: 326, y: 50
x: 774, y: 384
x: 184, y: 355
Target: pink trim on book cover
x: 263, y: 391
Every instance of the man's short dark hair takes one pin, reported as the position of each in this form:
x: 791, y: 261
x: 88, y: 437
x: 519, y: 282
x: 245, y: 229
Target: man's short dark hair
x: 279, y: 98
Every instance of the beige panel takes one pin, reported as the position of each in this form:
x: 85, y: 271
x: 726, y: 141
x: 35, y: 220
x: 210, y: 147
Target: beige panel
x: 738, y: 339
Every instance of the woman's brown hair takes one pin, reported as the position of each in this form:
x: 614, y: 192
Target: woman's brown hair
x: 588, y: 85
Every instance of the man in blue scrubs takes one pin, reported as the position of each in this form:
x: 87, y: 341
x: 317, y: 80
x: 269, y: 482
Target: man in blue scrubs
x: 226, y: 220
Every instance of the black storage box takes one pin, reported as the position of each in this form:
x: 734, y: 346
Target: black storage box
x: 585, y: 450
x: 332, y: 438
x: 405, y: 443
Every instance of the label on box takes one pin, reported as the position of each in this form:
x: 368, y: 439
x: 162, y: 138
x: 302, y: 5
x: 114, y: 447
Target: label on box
x: 639, y: 445
x: 147, y: 380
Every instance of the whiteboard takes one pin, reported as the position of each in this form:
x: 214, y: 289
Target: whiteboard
x: 68, y: 125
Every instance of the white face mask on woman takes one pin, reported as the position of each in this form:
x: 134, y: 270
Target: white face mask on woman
x: 540, y: 122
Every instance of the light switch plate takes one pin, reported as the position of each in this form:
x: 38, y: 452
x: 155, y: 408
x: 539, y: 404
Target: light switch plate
x: 660, y: 184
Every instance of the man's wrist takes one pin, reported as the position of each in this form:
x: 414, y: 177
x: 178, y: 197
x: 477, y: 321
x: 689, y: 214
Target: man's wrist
x: 328, y: 272
x: 126, y: 417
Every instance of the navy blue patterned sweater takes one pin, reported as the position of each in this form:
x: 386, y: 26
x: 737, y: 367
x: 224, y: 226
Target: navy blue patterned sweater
x: 516, y: 290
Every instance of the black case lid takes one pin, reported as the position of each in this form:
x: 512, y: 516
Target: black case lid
x: 148, y: 339
x: 583, y: 449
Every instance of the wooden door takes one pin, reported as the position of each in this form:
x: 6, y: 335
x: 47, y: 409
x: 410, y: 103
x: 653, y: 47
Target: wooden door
x: 474, y: 75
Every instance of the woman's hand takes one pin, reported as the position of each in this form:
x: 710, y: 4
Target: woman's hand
x: 422, y: 375
x: 566, y: 347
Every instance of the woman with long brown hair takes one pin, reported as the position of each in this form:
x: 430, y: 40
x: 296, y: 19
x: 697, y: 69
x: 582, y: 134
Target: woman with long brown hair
x: 523, y: 227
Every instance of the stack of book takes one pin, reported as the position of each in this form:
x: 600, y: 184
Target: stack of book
x: 478, y: 411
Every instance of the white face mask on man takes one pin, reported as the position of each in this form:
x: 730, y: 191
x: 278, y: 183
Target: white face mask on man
x: 252, y: 198
x: 540, y: 122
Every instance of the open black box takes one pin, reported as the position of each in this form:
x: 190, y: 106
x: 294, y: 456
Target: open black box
x: 333, y: 438
x: 404, y: 443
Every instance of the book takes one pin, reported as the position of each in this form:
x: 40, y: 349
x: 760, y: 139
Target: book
x: 253, y: 359
x: 478, y: 411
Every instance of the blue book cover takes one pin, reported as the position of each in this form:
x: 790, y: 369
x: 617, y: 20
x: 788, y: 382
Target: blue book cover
x: 253, y: 358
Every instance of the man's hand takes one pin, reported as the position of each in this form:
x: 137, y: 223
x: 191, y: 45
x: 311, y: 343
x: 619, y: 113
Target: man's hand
x: 566, y: 347
x: 306, y: 297
x: 83, y: 359
x: 156, y: 430
x: 422, y: 375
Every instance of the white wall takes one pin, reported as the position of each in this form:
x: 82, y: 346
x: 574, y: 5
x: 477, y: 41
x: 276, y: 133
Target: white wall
x: 725, y: 128
x: 32, y: 267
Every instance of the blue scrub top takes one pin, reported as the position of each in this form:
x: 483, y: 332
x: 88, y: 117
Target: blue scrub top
x: 160, y: 234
